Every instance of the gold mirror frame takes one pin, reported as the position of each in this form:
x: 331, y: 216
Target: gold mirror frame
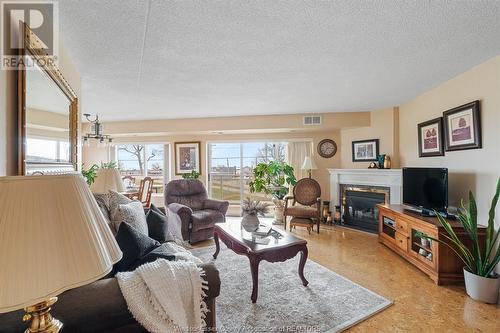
x: 32, y: 49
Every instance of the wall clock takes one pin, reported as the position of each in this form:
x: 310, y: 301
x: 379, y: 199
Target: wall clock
x: 327, y: 148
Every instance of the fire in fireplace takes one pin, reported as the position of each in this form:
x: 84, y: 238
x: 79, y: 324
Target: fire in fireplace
x: 359, y: 206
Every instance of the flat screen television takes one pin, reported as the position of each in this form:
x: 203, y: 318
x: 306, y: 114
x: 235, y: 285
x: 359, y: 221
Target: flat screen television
x: 426, y: 189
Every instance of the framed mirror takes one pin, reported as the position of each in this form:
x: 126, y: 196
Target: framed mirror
x: 47, y: 115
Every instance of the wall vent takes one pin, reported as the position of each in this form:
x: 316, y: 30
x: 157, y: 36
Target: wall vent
x: 312, y: 120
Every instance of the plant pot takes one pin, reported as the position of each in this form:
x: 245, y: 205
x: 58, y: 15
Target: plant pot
x: 481, y: 288
x: 279, y: 209
x: 250, y: 222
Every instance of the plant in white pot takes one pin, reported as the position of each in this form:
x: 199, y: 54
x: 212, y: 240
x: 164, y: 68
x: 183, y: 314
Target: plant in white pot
x: 481, y: 282
x: 273, y: 178
x: 250, y: 210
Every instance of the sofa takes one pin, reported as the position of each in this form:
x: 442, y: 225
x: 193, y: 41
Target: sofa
x: 188, y: 199
x: 100, y: 307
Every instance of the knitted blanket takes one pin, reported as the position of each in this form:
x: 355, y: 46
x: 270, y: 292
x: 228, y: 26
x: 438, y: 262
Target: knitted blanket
x: 166, y: 296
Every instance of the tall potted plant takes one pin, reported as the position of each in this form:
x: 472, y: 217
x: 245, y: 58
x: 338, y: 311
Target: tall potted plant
x: 273, y: 178
x: 481, y: 282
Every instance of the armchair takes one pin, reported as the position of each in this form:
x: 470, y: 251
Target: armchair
x: 188, y: 198
x: 307, y: 193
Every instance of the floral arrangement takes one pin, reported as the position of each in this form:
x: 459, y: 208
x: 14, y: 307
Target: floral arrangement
x: 253, y: 207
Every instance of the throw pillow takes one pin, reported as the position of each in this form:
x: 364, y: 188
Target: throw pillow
x: 115, y: 200
x: 133, y: 214
x: 158, y: 227
x: 134, y: 246
x: 103, y: 203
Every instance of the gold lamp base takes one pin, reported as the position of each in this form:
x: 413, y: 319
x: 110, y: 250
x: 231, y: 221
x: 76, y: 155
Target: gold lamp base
x: 41, y: 319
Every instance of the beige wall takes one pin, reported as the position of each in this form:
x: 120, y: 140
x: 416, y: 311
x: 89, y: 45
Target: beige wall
x: 478, y: 169
x: 96, y: 155
x: 383, y: 126
x: 8, y: 110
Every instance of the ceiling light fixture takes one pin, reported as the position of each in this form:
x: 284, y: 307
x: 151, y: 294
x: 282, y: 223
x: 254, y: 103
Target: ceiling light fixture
x: 97, y: 130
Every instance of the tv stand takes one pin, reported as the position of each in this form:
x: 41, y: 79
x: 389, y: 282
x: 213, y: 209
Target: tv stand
x: 399, y: 230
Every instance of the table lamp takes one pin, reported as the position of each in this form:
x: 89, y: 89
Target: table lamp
x: 53, y: 237
x: 107, y: 179
x: 308, y: 165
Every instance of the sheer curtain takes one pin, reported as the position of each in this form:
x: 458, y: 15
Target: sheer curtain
x: 296, y: 152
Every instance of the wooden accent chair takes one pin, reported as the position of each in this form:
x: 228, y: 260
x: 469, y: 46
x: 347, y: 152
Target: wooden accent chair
x: 128, y: 181
x: 307, y: 194
x: 144, y: 193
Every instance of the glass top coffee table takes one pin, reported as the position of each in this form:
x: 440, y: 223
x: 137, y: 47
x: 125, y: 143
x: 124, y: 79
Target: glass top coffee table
x: 281, y: 246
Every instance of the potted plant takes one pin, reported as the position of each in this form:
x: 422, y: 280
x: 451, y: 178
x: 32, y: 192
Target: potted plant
x: 250, y: 210
x: 481, y: 282
x: 273, y: 178
x: 90, y: 173
x: 192, y: 175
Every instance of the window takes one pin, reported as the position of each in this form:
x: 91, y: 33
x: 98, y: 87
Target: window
x: 231, y: 167
x: 142, y: 160
x: 46, y: 150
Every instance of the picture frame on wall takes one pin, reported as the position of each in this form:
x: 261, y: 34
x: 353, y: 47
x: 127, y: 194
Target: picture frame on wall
x: 462, y: 127
x: 187, y: 157
x: 430, y: 138
x: 365, y: 150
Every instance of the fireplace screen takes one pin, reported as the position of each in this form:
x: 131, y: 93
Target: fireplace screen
x: 359, y: 206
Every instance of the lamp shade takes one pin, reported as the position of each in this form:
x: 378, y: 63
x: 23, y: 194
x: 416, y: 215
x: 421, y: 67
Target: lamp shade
x: 107, y: 179
x: 308, y: 164
x: 53, y: 237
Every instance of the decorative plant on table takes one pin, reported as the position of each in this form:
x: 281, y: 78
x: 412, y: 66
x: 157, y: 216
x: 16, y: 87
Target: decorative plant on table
x: 251, y: 209
x: 273, y: 178
x: 192, y: 175
x: 90, y: 173
x: 480, y: 280
x: 109, y: 165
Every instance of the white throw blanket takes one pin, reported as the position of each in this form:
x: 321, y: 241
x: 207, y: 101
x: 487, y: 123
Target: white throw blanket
x: 166, y: 296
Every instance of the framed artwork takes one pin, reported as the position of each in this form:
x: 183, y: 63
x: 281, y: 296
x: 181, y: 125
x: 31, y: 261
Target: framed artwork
x: 365, y: 150
x: 187, y: 157
x: 430, y: 138
x: 462, y: 127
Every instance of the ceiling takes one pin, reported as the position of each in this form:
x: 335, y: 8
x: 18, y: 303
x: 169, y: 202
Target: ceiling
x: 179, y: 59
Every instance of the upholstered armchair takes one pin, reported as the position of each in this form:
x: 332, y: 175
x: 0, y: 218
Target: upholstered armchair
x: 188, y: 199
x: 307, y: 194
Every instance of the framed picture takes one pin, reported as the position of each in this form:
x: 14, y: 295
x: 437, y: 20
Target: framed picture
x: 462, y: 127
x: 365, y: 150
x: 430, y: 138
x: 187, y: 157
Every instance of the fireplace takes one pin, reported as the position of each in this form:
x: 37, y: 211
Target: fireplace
x: 359, y: 206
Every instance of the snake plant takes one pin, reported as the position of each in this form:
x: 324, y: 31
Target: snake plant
x: 479, y: 260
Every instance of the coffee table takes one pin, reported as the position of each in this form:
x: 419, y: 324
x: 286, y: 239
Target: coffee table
x: 277, y: 250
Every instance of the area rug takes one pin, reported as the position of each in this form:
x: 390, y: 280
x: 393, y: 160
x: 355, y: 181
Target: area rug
x: 330, y: 303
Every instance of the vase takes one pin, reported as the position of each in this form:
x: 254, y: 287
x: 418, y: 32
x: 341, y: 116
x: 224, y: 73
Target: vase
x: 381, y: 159
x: 250, y: 222
x: 279, y: 209
x: 483, y: 289
x: 387, y: 162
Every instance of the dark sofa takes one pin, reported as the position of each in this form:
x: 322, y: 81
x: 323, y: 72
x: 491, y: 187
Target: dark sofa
x: 188, y: 198
x: 100, y: 307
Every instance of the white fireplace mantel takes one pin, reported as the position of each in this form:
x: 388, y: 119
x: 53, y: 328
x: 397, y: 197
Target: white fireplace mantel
x: 391, y: 178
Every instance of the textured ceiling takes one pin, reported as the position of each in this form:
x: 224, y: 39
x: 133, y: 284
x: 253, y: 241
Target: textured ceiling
x: 177, y: 59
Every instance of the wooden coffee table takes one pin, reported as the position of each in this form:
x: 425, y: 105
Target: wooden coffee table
x: 284, y: 248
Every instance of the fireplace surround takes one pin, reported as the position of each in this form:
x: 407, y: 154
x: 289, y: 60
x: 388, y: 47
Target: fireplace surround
x: 358, y: 191
x: 359, y: 206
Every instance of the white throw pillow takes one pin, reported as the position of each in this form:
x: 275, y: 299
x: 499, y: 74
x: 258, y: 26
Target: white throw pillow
x: 133, y: 214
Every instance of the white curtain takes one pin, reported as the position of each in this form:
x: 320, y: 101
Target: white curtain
x: 296, y: 152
